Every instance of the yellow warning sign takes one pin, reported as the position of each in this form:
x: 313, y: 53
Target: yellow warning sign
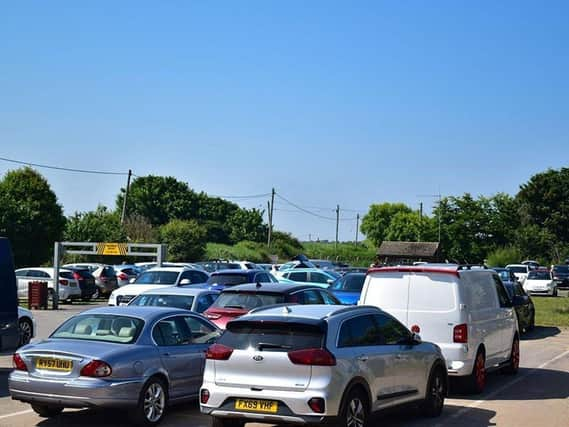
x: 111, y: 248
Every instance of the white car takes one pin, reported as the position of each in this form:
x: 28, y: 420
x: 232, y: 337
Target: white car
x: 540, y: 282
x: 26, y: 325
x: 467, y: 312
x: 521, y: 271
x: 159, y: 277
x: 68, y: 286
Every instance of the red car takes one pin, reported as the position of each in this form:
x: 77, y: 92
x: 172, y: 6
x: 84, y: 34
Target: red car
x: 239, y: 300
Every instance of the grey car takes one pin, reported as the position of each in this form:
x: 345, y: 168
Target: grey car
x: 312, y: 364
x: 140, y: 358
x: 189, y: 298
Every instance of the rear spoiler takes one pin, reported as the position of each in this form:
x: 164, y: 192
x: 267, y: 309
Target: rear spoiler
x: 414, y: 269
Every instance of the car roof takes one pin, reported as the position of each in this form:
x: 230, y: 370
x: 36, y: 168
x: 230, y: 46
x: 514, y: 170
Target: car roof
x: 279, y: 288
x: 46, y: 269
x: 305, y: 311
x: 307, y: 270
x: 148, y: 313
x: 240, y: 271
x: 179, y: 290
x: 173, y: 269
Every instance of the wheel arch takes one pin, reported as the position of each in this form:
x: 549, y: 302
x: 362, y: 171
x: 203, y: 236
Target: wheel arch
x: 357, y: 383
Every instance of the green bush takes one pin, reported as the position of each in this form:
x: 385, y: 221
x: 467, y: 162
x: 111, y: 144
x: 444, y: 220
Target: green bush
x: 504, y: 256
x: 185, y: 240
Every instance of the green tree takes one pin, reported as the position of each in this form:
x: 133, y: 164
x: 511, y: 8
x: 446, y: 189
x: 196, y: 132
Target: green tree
x: 410, y: 227
x: 29, y: 216
x: 376, y: 221
x: 185, y: 240
x: 247, y: 224
x: 99, y: 225
x: 139, y: 230
x: 503, y: 256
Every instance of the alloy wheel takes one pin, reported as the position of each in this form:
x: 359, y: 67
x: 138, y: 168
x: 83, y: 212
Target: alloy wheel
x: 154, y: 402
x: 356, y: 413
x: 25, y: 332
x: 480, y: 372
x: 437, y: 391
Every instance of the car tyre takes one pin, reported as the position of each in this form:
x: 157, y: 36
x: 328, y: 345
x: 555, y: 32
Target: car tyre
x: 26, y: 331
x: 434, y: 401
x: 531, y: 325
x: 152, y: 403
x: 354, y: 411
x: 514, y: 362
x: 476, y: 381
x: 47, y: 411
x: 226, y: 422
x: 554, y: 293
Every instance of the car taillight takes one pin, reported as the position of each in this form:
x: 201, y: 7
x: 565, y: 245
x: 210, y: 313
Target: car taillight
x: 204, y: 396
x: 19, y: 363
x: 218, y: 352
x: 317, y: 405
x: 460, y: 333
x: 312, y: 356
x: 212, y: 316
x: 76, y: 276
x: 63, y: 282
x: 415, y: 329
x: 96, y: 368
x: 122, y: 276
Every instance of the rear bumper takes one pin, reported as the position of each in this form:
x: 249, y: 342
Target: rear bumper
x: 77, y: 393
x: 459, y: 359
x: 269, y: 419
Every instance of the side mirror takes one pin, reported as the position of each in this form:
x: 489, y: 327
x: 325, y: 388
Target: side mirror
x: 185, y: 282
x: 519, y: 300
x: 329, y: 281
x: 132, y: 280
x: 416, y: 338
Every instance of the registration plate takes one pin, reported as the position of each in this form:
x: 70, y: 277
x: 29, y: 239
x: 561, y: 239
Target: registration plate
x: 255, y: 405
x: 54, y: 364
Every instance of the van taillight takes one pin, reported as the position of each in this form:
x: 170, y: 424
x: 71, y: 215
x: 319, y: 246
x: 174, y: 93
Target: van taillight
x: 312, y: 356
x: 218, y: 352
x: 460, y: 333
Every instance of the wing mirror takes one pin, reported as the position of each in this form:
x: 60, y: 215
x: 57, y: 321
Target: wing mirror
x: 132, y: 280
x: 185, y: 282
x: 416, y: 338
x: 519, y: 300
x: 329, y: 281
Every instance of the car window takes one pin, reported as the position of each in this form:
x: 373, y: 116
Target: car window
x: 539, y: 275
x: 298, y: 276
x: 318, y: 277
x: 503, y: 297
x: 201, y: 332
x: 101, y: 327
x: 261, y: 277
x: 203, y: 303
x: 391, y: 330
x: 328, y: 298
x: 157, y: 277
x: 359, y: 331
x: 22, y: 273
x: 272, y: 278
x: 246, y: 300
x: 518, y: 290
x: 178, y: 301
x: 310, y: 296
x: 171, y: 331
x: 39, y: 273
x: 228, y: 279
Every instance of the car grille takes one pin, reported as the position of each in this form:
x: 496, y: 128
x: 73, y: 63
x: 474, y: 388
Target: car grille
x: 124, y: 299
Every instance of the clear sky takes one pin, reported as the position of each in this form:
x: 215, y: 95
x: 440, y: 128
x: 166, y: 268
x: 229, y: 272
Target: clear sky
x: 345, y: 103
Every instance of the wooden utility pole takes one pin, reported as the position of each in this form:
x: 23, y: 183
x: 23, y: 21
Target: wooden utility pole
x: 357, y: 227
x: 271, y: 210
x: 123, y: 214
x: 337, y: 225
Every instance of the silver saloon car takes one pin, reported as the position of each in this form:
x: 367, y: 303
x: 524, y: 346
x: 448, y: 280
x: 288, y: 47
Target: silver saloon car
x: 140, y: 358
x: 313, y: 364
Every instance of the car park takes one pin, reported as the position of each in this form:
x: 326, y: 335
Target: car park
x: 86, y: 282
x: 315, y: 364
x: 105, y: 276
x: 158, y: 277
x: 464, y: 310
x: 521, y: 271
x: 140, y: 359
x: 126, y: 272
x: 315, y: 276
x: 561, y: 276
x: 223, y: 278
x: 68, y: 286
x: 348, y: 287
x: 187, y: 297
x: 540, y: 282
x: 238, y: 300
x: 26, y: 326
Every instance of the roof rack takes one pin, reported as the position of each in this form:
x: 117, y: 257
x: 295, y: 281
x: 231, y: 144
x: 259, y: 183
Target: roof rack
x: 472, y: 266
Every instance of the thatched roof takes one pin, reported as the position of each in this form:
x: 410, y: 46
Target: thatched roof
x: 408, y: 249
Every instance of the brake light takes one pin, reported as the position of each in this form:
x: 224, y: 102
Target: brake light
x: 96, y: 368
x: 204, y: 396
x: 19, y: 363
x: 460, y: 333
x: 218, y: 352
x: 313, y: 357
x: 317, y: 405
x: 77, y: 276
x: 63, y: 282
x: 122, y: 276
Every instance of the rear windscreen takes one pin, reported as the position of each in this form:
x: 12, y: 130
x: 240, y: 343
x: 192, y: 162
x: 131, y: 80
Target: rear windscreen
x: 228, y: 279
x: 246, y: 300
x: 518, y: 269
x: 271, y: 337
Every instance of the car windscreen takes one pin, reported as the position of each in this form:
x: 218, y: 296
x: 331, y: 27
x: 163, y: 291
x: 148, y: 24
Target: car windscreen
x: 504, y: 275
x: 246, y: 300
x: 178, y: 301
x: 228, y: 279
x: 539, y: 275
x: 271, y: 336
x: 563, y: 269
x: 157, y: 278
x: 518, y: 269
x: 101, y: 327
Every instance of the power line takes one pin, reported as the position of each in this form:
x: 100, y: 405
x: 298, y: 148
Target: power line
x: 38, y: 165
x: 254, y: 196
x: 302, y: 209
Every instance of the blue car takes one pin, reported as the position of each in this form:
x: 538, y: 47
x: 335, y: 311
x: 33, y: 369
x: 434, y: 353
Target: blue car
x: 348, y: 287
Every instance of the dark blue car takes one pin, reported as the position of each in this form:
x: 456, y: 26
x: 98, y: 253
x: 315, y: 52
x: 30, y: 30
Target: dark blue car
x: 348, y: 287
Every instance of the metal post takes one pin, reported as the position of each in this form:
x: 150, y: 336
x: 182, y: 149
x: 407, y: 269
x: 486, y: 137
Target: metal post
x: 161, y: 255
x: 337, y: 225
x: 56, y: 249
x: 123, y: 214
x: 357, y: 227
x: 271, y: 209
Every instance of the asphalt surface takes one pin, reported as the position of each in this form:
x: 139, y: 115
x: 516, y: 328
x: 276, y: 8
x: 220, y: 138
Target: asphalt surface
x: 537, y: 396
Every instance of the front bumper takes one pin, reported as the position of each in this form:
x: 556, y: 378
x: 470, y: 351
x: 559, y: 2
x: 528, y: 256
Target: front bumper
x: 75, y: 393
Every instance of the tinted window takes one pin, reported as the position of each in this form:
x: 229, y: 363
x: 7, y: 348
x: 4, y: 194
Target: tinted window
x: 318, y: 278
x: 194, y: 276
x: 310, y: 297
x: 101, y: 327
x: 178, y: 301
x: 66, y: 274
x: 157, y: 278
x: 359, y: 331
x: 203, y: 303
x: 262, y: 277
x: 274, y: 336
x: 108, y: 272
x: 298, y: 276
x: 563, y: 269
x: 518, y: 290
x: 392, y: 332
x: 171, y: 331
x: 228, y: 279
x: 503, y: 297
x: 518, y: 269
x: 328, y: 298
x: 246, y: 300
x: 350, y: 282
x: 201, y: 332
x: 22, y: 273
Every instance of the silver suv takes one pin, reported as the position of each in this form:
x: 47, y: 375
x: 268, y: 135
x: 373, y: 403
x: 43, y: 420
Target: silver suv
x: 310, y: 364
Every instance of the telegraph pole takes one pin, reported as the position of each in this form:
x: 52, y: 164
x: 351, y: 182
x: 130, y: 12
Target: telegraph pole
x: 337, y: 225
x: 271, y: 209
x: 357, y: 227
x: 123, y: 214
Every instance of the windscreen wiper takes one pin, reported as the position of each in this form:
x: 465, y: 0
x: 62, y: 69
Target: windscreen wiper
x: 263, y: 345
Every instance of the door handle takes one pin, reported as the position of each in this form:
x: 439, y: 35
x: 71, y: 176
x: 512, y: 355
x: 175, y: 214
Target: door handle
x: 363, y: 358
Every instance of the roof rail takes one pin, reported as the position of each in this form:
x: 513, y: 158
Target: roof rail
x: 350, y: 308
x: 471, y: 266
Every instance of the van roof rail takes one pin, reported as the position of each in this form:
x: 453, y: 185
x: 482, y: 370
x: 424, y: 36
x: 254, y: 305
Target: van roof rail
x: 472, y: 266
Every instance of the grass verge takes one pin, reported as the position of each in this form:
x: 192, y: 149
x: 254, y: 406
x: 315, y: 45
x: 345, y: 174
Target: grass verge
x: 551, y: 311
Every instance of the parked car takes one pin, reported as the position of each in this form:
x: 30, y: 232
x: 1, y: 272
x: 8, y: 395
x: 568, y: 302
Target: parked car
x: 540, y: 282
x: 465, y: 311
x: 9, y: 332
x: 315, y: 276
x: 525, y: 312
x: 189, y: 298
x: 68, y: 286
x: 154, y: 278
x: 313, y: 364
x: 348, y: 287
x: 239, y: 300
x: 137, y: 358
x: 520, y: 271
x: 223, y: 278
x: 211, y: 266
x: 86, y: 282
x: 561, y: 276
x: 304, y: 263
x: 105, y: 276
x: 125, y: 273
x: 26, y: 325
x: 531, y: 264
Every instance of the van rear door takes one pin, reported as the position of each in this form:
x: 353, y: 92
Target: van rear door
x: 388, y: 290
x: 9, y: 334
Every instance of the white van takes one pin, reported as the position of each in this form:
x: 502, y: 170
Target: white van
x: 466, y: 311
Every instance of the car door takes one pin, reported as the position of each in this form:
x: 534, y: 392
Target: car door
x: 182, y: 360
x: 506, y: 320
x: 203, y: 333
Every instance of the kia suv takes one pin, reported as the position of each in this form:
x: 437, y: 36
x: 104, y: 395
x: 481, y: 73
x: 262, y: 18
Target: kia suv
x: 310, y: 364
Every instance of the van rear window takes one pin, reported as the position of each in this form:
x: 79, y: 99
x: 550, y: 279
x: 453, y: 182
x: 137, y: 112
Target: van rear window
x: 432, y: 293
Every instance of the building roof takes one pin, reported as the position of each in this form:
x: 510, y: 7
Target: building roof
x: 408, y: 249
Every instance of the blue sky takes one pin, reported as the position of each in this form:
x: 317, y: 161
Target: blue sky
x: 345, y: 103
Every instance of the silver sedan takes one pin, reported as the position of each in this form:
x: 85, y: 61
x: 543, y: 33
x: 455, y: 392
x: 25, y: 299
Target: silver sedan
x: 141, y: 358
